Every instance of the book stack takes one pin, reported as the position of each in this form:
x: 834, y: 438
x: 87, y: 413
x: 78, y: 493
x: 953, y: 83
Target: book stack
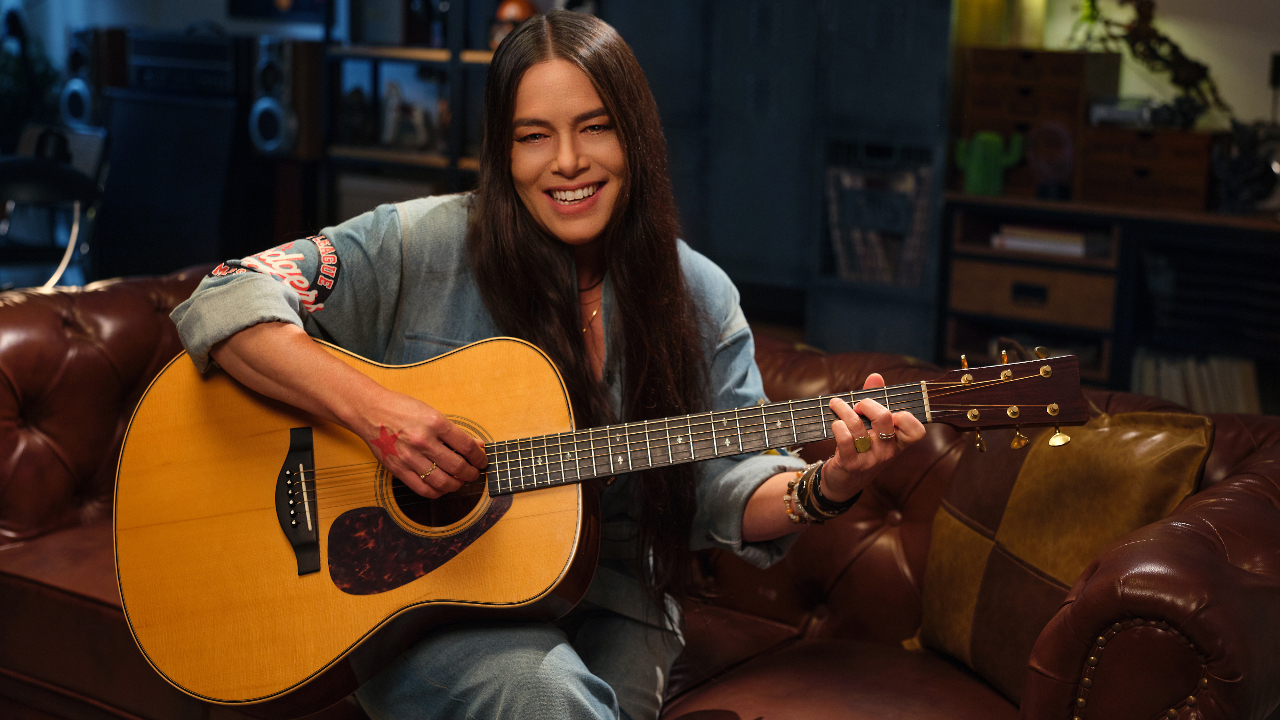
x: 1042, y: 241
x: 1215, y: 384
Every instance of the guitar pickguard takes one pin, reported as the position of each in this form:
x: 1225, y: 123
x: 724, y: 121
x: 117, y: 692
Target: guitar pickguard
x: 369, y: 553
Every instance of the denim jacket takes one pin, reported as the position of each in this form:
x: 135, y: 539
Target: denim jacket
x: 394, y: 285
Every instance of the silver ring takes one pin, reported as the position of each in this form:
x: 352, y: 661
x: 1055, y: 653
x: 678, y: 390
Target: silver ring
x: 889, y: 436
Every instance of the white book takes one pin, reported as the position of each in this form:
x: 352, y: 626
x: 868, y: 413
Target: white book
x: 1037, y: 245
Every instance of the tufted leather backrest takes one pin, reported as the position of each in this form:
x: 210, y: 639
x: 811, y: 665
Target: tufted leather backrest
x: 74, y: 362
x: 860, y: 577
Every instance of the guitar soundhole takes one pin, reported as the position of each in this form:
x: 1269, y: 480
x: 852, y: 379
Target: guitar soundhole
x: 439, y: 512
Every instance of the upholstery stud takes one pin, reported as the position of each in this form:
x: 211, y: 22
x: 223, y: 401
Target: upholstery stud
x: 1080, y: 703
x: 1087, y: 682
x: 1172, y: 714
x: 1191, y: 700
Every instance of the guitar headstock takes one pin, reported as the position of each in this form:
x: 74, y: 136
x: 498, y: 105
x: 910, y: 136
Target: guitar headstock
x: 1034, y: 392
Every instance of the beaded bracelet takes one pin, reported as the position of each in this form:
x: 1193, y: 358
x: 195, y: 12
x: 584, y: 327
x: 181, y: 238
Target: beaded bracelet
x: 829, y: 508
x: 797, y: 493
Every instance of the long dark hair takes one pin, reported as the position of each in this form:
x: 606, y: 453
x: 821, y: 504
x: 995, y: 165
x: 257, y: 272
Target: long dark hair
x: 529, y: 284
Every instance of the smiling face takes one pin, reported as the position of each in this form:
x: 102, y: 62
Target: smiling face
x: 566, y: 162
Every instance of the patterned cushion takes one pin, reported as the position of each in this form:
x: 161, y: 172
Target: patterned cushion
x: 1017, y: 527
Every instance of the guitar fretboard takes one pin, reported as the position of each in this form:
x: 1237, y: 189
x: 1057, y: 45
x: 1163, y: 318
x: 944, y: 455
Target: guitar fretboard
x: 551, y: 460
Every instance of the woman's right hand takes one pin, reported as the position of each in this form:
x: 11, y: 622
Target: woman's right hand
x: 419, y: 445
x: 416, y: 442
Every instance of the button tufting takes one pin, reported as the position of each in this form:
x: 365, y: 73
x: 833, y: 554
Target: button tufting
x: 1172, y: 714
x: 1087, y: 682
x: 1204, y: 682
x: 1191, y: 700
x: 893, y: 517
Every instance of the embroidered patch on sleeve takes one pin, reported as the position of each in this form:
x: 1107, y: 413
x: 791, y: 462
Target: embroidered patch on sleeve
x: 282, y: 263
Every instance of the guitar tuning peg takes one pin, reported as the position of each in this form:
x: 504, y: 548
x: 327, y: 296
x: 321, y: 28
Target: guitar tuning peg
x: 1004, y: 357
x: 1019, y: 440
x: 964, y: 362
x: 1059, y: 438
x: 981, y: 444
x: 1041, y: 352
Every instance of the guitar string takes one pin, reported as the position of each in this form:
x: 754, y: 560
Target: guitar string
x: 698, y: 433
x: 545, y: 452
x: 326, y: 510
x: 802, y: 428
x: 750, y: 417
x: 564, y: 466
x: 529, y: 462
x: 564, y: 478
x: 806, y: 425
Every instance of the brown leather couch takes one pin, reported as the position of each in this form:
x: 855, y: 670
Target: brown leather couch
x: 1188, y: 608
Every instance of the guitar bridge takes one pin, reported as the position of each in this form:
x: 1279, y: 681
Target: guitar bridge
x: 296, y: 500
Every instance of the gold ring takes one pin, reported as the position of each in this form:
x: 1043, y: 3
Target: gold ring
x: 433, y: 469
x: 889, y: 436
x: 862, y: 443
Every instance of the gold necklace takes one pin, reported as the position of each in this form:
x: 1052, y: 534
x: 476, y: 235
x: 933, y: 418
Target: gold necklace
x: 593, y: 317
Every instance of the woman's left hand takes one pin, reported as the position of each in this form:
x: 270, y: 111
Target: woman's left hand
x: 849, y: 470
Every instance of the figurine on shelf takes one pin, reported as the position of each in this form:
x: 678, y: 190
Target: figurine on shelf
x: 984, y: 158
x: 510, y: 13
x: 404, y: 125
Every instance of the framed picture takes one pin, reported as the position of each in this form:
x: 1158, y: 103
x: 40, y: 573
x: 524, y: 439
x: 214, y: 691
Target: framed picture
x: 309, y: 11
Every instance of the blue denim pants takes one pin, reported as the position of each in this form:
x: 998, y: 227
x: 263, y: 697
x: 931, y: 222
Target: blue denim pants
x: 593, y: 664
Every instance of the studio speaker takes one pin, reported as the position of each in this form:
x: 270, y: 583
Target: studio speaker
x: 285, y: 119
x: 97, y: 59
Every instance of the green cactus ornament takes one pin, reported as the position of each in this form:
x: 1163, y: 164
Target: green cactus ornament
x: 984, y: 158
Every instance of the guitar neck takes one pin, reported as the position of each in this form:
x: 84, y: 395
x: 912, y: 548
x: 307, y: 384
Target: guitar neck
x: 551, y: 460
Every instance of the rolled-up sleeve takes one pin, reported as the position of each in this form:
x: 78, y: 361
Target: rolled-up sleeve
x: 339, y: 285
x: 726, y: 484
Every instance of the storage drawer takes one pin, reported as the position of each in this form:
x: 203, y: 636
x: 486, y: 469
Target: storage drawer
x: 1059, y: 297
x: 1167, y: 149
x: 1144, y: 186
x: 1098, y: 72
x: 1025, y: 102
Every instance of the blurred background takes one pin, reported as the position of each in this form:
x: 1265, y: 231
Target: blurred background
x: 935, y: 178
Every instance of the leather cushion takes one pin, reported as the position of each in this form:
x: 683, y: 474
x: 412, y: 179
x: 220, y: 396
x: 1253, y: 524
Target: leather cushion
x: 1016, y: 528
x: 847, y: 680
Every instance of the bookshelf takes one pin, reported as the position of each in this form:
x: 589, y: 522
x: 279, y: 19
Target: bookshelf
x: 439, y: 150
x: 1143, y: 295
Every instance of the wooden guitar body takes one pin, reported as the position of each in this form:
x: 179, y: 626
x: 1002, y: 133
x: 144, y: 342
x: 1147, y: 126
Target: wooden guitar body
x: 219, y: 600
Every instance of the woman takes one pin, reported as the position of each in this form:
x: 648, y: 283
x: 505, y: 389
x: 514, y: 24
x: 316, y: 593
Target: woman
x: 570, y: 243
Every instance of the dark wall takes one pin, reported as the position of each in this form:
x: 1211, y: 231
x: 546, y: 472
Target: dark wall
x: 757, y: 98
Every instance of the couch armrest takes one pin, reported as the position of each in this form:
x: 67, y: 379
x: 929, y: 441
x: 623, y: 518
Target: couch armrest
x: 73, y: 364
x: 1188, y: 610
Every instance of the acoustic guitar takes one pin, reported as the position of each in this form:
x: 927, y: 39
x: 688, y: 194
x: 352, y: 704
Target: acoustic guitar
x: 266, y: 560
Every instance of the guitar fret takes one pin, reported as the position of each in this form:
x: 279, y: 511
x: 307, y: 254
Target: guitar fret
x: 764, y: 423
x: 647, y: 452
x: 738, y: 423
